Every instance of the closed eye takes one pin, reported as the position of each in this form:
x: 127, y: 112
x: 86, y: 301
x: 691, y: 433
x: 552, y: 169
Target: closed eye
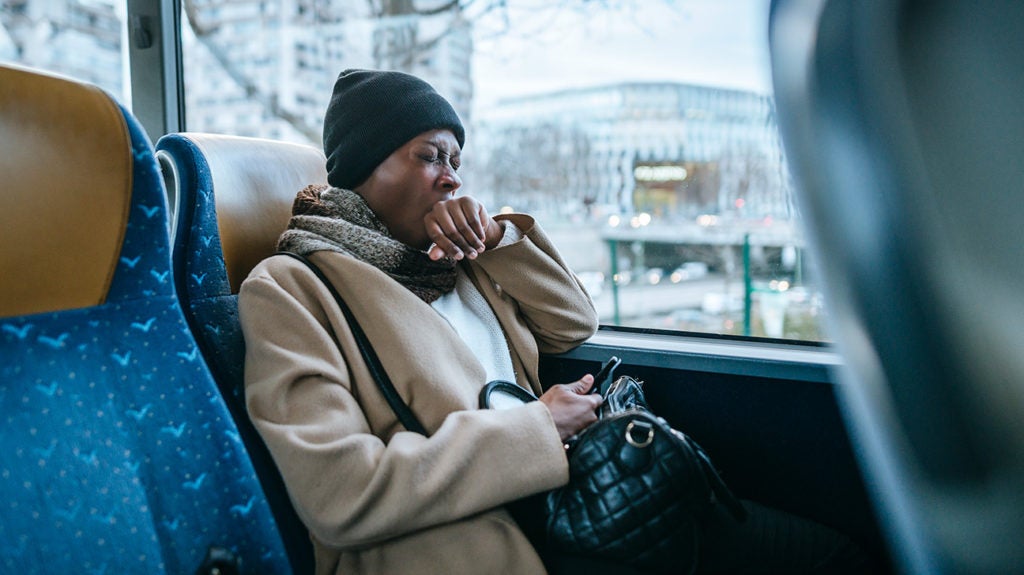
x: 442, y: 158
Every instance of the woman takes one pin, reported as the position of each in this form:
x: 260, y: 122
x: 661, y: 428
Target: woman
x: 450, y: 298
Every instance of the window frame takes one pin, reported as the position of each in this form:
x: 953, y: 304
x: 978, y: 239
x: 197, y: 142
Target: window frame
x: 156, y: 73
x: 714, y: 353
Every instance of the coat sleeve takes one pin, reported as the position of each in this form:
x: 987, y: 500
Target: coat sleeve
x: 351, y: 488
x: 551, y: 299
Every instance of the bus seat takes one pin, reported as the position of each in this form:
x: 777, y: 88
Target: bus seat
x: 117, y: 452
x: 904, y: 124
x: 235, y: 195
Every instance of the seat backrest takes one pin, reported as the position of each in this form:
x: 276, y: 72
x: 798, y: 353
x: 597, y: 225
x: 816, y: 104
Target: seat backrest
x: 234, y: 196
x: 904, y: 123
x: 117, y: 451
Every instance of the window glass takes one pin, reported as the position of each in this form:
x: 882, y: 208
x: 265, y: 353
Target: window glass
x: 82, y: 39
x: 640, y: 133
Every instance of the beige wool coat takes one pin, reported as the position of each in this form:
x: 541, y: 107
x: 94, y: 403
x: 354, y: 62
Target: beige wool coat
x: 379, y: 499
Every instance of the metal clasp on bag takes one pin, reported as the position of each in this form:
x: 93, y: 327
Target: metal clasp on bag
x: 639, y: 426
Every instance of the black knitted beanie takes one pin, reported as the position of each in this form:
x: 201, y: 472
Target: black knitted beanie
x: 372, y: 114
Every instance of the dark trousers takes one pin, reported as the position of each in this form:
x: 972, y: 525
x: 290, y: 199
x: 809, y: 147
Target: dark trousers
x: 768, y: 542
x: 772, y: 541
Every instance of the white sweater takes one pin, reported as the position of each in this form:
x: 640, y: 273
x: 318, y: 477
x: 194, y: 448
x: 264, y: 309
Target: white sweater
x: 472, y: 318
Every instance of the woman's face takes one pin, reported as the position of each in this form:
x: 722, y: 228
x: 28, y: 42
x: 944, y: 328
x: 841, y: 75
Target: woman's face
x: 405, y: 186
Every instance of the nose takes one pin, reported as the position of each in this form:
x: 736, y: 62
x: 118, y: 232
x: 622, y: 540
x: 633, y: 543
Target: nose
x: 450, y: 179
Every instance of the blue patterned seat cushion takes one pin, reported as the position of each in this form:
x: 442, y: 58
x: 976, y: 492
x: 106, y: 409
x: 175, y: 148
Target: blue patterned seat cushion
x: 212, y: 312
x: 118, y: 452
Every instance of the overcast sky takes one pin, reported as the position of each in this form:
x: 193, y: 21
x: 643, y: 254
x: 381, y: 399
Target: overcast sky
x: 711, y: 42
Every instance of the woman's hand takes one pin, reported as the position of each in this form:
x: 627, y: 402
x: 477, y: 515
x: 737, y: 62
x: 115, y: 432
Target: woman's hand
x: 460, y: 227
x: 572, y: 406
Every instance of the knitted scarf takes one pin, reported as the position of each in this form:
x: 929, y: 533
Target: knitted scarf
x: 333, y: 219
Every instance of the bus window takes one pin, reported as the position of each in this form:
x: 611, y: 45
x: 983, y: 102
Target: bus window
x: 82, y: 39
x: 642, y: 135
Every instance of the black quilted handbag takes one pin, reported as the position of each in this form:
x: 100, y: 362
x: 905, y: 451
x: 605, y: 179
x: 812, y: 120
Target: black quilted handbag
x: 637, y: 489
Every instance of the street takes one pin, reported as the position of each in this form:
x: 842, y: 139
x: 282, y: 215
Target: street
x: 639, y: 300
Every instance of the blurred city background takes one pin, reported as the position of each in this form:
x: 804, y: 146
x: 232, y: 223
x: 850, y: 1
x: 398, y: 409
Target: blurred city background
x: 640, y: 133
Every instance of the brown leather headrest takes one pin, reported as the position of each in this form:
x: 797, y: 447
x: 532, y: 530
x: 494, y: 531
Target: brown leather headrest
x: 255, y: 181
x: 66, y: 181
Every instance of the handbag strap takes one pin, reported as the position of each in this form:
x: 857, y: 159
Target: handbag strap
x: 402, y: 410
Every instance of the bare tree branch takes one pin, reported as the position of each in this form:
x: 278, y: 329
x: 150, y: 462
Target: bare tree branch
x: 269, y: 102
x: 393, y: 47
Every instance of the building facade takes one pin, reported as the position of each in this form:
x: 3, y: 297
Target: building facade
x: 670, y: 150
x: 80, y: 38
x: 267, y: 68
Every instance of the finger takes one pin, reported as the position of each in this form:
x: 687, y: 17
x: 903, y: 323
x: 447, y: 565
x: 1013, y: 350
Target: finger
x: 581, y: 386
x: 454, y: 226
x: 587, y: 383
x: 442, y: 245
x: 467, y: 223
x: 481, y: 228
x: 474, y: 212
x: 435, y: 253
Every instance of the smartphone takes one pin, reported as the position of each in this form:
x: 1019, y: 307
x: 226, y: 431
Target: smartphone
x: 604, y: 377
